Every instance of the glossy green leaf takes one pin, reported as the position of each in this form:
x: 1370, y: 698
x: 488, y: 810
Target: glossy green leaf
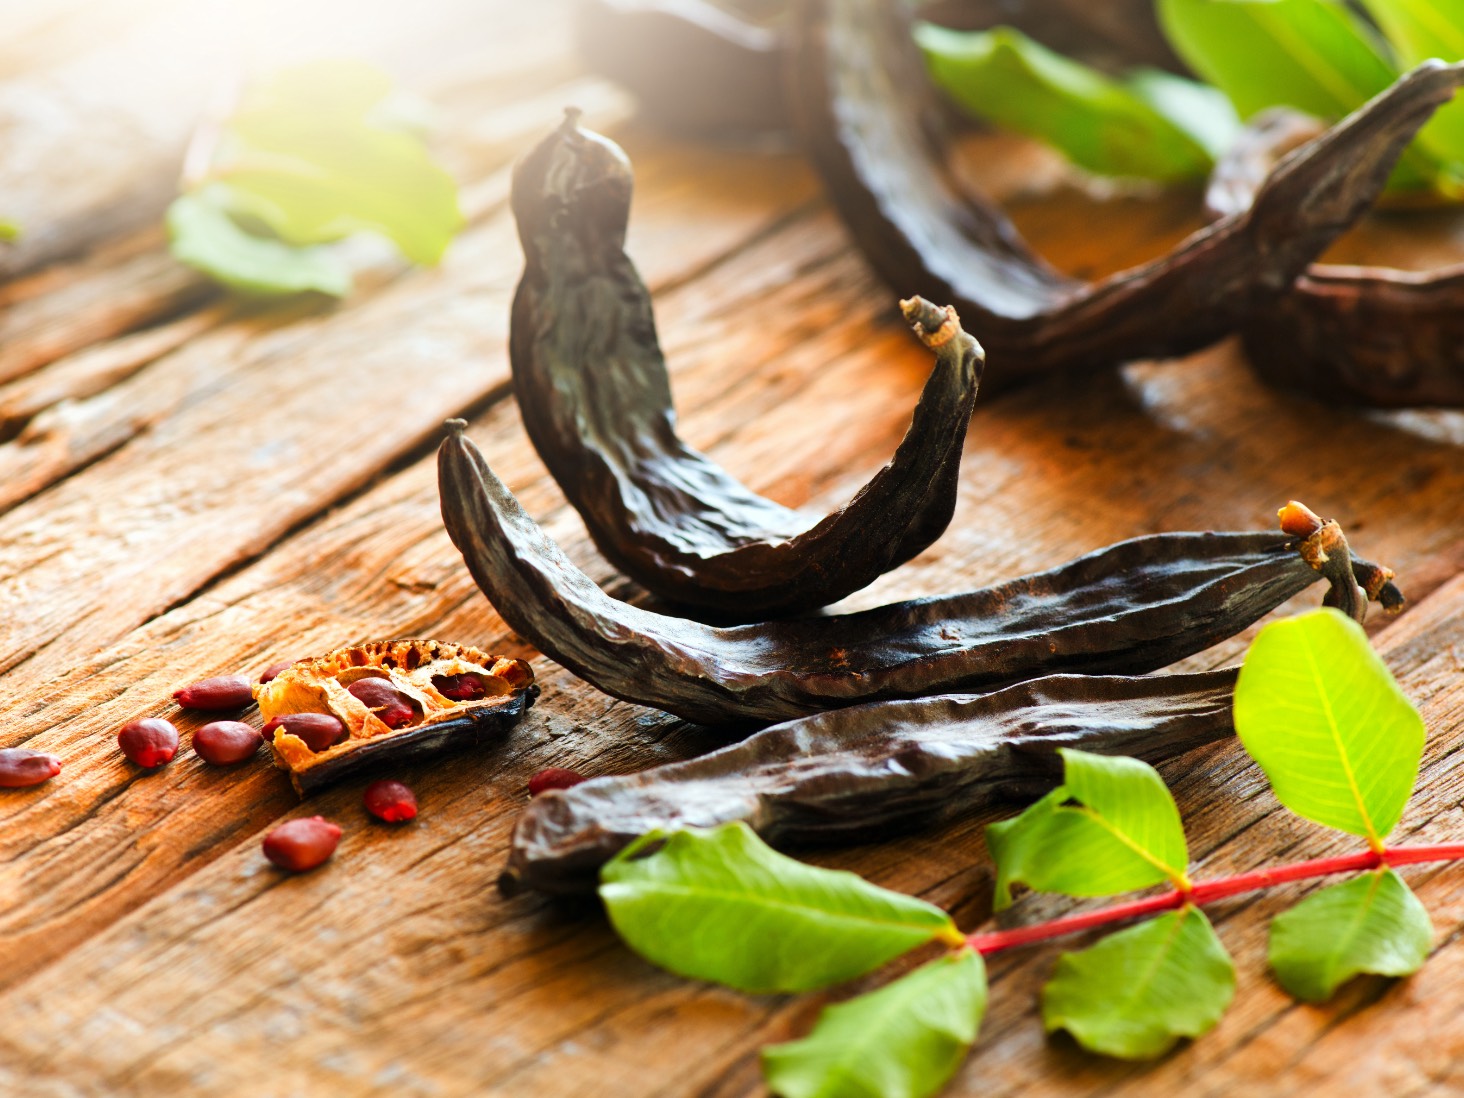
x: 1372, y: 923
x: 1321, y: 713
x: 1137, y: 992
x: 902, y: 1041
x: 204, y: 236
x: 9, y: 230
x: 1419, y: 30
x: 1100, y: 124
x: 1111, y: 827
x: 721, y: 905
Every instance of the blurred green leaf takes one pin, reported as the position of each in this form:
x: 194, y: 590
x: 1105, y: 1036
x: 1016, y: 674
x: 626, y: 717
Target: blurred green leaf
x: 1156, y: 127
x: 1137, y: 992
x: 1322, y: 714
x: 1372, y: 923
x: 721, y: 905
x: 9, y: 230
x: 1122, y: 833
x: 1419, y: 30
x: 902, y: 1041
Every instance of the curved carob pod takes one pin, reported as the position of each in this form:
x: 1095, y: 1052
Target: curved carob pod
x: 865, y: 111
x: 1127, y: 609
x: 870, y: 769
x: 592, y: 387
x: 1370, y: 336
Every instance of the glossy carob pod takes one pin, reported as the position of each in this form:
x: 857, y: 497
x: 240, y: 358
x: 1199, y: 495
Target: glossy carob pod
x: 866, y: 113
x: 872, y: 769
x: 1372, y: 336
x: 1130, y: 608
x: 414, y: 669
x: 592, y: 387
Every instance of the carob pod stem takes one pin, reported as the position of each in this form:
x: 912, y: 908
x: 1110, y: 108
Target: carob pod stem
x: 1127, y: 609
x: 864, y: 771
x: 592, y: 387
x: 864, y: 109
x: 1370, y: 336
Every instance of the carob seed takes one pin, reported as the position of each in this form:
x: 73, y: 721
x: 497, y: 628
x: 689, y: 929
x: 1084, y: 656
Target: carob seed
x: 317, y: 730
x: 302, y: 844
x: 393, y: 708
x: 224, y: 743
x: 390, y: 800
x: 553, y: 777
x: 274, y: 669
x: 466, y: 687
x: 149, y: 742
x: 21, y: 767
x: 221, y: 692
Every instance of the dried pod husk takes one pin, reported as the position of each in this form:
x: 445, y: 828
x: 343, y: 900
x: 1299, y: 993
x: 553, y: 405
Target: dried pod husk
x: 866, y: 113
x: 867, y: 771
x: 412, y: 667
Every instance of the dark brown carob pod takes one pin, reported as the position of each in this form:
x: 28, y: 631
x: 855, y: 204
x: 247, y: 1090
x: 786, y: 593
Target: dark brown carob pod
x: 864, y: 110
x: 1372, y: 336
x: 1127, y: 609
x: 870, y: 769
x: 592, y: 387
x: 411, y: 670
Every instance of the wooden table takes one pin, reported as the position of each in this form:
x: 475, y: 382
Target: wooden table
x: 191, y: 487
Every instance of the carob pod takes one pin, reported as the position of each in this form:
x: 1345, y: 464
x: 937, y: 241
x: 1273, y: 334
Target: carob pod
x: 592, y: 388
x: 865, y: 111
x: 1127, y: 609
x: 410, y: 670
x: 870, y: 769
x: 1345, y: 334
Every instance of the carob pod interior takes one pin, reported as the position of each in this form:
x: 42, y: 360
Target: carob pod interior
x: 418, y: 671
x: 592, y: 387
x: 1345, y: 334
x: 870, y: 769
x: 1127, y: 609
x: 865, y: 111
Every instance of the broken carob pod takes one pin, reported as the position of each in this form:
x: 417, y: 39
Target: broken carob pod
x: 399, y: 713
x: 1127, y: 609
x: 865, y: 771
x: 865, y: 111
x: 592, y: 388
x: 1370, y: 336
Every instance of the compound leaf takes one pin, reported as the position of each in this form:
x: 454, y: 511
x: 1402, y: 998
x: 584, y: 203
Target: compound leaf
x: 721, y: 905
x: 1372, y: 923
x: 1137, y: 992
x: 902, y: 1041
x: 1323, y: 716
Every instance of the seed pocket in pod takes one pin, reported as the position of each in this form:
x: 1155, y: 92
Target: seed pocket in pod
x: 398, y: 700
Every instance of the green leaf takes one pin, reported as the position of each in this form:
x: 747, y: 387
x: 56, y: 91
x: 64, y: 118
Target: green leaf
x: 1314, y: 55
x: 1321, y: 713
x: 1372, y: 923
x: 203, y: 235
x: 9, y: 230
x: 720, y: 905
x: 902, y: 1041
x: 1419, y: 30
x: 1123, y: 833
x: 1134, y: 994
x: 1101, y: 125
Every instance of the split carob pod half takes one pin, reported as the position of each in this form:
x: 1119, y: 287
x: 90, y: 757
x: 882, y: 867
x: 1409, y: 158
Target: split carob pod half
x: 871, y: 769
x: 1130, y: 608
x: 1345, y: 334
x: 592, y: 387
x: 866, y: 113
x: 455, y: 696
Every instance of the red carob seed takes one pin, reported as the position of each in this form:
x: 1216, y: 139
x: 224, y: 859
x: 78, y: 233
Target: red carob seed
x: 390, y: 801
x: 466, y: 687
x: 318, y: 730
x: 553, y: 777
x: 302, y: 844
x: 393, y: 708
x: 274, y: 669
x: 224, y: 743
x: 149, y: 742
x: 20, y: 767
x: 222, y: 692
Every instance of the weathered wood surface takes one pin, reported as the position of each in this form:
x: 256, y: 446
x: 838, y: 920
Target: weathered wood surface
x: 189, y: 487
